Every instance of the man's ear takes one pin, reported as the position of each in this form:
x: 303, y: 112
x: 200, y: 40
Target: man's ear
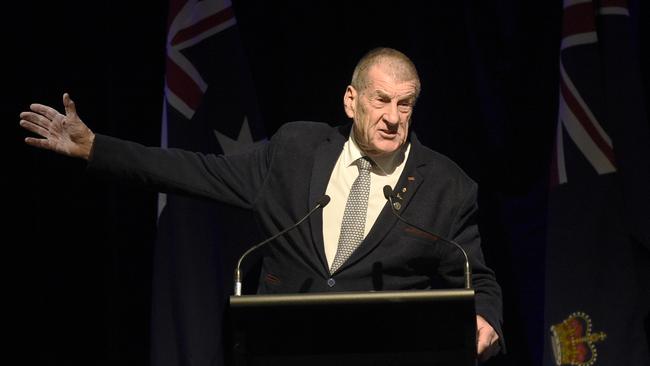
x: 349, y: 100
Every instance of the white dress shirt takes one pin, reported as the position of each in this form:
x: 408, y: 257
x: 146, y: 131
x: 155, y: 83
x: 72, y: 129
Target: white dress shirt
x: 386, y: 170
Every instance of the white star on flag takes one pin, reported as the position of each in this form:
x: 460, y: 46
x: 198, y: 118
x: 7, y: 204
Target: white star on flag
x: 243, y: 142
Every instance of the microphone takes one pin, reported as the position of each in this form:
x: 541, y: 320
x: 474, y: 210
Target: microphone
x: 388, y: 193
x: 322, y: 202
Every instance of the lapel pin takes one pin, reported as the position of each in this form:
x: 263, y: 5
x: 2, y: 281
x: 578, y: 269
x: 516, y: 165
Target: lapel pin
x: 410, y: 179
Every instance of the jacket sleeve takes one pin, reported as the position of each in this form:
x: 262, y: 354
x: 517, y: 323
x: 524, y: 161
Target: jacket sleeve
x: 233, y: 179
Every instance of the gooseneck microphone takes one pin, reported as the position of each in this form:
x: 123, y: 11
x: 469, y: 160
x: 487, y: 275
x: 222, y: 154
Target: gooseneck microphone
x: 388, y: 193
x: 322, y: 202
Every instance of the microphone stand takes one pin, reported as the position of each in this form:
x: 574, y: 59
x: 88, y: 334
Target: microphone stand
x: 321, y: 203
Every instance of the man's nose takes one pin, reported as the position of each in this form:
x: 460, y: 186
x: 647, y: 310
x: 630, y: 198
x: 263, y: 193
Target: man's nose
x: 392, y: 114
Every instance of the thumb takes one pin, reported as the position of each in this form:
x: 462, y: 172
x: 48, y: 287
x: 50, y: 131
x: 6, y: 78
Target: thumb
x: 70, y: 109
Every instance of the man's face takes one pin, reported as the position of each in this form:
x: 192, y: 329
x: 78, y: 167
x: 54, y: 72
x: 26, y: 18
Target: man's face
x: 381, y: 112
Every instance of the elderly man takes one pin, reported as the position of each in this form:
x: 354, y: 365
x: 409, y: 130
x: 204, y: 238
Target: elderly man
x: 340, y: 249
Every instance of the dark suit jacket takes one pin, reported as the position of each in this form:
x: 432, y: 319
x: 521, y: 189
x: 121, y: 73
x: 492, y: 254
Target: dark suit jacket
x: 281, y: 181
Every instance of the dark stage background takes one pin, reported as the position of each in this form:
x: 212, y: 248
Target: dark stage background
x: 78, y: 271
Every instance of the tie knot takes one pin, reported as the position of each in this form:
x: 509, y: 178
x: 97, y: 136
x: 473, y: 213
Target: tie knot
x: 364, y: 165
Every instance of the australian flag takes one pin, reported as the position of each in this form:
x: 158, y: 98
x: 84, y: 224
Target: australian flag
x: 210, y: 107
x: 597, y: 293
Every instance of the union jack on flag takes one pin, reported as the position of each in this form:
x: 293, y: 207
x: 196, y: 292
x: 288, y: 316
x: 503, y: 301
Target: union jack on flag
x: 190, y: 23
x: 580, y: 112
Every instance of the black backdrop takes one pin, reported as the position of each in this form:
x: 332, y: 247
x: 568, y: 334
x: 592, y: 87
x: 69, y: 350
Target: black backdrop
x: 78, y: 251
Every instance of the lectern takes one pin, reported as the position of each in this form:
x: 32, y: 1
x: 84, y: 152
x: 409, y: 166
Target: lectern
x: 427, y: 327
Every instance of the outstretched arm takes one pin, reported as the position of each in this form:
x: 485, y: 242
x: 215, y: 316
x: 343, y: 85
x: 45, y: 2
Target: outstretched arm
x: 235, y: 179
x: 64, y: 134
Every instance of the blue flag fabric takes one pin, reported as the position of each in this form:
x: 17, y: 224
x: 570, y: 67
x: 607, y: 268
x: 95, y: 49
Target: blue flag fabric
x: 597, y: 292
x: 209, y: 107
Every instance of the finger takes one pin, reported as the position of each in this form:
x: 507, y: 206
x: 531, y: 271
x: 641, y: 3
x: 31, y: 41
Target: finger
x: 488, y: 352
x: 47, y: 111
x: 70, y: 108
x: 35, y: 128
x: 489, y: 347
x: 40, y: 143
x: 483, y: 356
x: 35, y: 118
x: 482, y: 346
x: 480, y: 341
x: 483, y: 351
x: 494, y: 337
x: 484, y: 340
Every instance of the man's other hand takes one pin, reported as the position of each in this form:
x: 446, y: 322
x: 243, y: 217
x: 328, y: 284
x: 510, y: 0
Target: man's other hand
x: 486, y: 339
x: 64, y: 134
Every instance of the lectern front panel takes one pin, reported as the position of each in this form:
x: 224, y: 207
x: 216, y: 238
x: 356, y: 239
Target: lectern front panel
x: 433, y: 327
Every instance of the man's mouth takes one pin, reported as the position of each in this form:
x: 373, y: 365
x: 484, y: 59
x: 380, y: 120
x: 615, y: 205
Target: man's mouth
x: 388, y: 133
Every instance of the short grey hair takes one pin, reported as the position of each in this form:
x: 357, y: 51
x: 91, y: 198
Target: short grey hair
x: 402, y: 65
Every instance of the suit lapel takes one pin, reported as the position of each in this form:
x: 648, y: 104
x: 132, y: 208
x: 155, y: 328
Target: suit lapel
x: 407, y: 185
x: 325, y: 157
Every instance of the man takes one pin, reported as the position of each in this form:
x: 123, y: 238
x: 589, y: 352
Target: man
x: 356, y: 244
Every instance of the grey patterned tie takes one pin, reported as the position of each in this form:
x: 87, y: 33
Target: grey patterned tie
x: 354, y: 216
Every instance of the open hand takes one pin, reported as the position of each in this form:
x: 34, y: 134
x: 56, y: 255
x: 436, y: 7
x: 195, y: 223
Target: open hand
x: 64, y: 134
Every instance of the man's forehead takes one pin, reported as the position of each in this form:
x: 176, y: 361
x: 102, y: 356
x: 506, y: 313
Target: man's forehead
x: 390, y: 73
x: 403, y: 91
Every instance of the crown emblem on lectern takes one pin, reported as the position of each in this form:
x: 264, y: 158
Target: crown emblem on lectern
x: 573, y: 341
